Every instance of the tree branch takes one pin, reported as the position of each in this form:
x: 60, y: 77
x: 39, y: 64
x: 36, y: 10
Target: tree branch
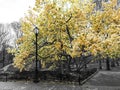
x: 49, y: 56
x: 68, y: 32
x: 69, y: 18
x: 46, y: 44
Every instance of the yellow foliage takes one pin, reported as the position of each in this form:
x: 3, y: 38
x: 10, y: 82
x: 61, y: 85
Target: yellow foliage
x: 55, y: 17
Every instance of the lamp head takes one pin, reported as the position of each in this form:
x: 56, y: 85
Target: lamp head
x: 36, y: 30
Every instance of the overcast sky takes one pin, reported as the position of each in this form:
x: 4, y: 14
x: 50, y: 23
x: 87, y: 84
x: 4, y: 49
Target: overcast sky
x: 13, y: 10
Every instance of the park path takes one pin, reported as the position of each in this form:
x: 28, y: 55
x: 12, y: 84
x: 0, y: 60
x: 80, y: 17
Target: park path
x: 104, y: 80
x: 49, y: 86
x: 22, y: 85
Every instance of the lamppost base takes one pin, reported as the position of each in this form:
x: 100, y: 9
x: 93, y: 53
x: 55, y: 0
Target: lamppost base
x: 36, y: 81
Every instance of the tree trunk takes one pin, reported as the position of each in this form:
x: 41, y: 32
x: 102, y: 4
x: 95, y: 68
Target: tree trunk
x: 69, y: 60
x: 103, y: 60
x: 61, y: 73
x: 85, y: 65
x: 117, y: 62
x: 112, y: 63
x: 100, y: 64
x: 79, y: 79
x: 3, y: 57
x: 107, y: 64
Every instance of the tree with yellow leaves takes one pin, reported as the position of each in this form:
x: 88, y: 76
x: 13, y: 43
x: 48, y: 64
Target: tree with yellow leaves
x: 106, y: 24
x: 67, y: 28
x: 59, y: 22
x: 101, y: 37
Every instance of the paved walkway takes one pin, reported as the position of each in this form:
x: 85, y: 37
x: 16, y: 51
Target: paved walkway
x: 100, y: 88
x: 105, y: 80
x: 22, y: 85
x: 50, y: 86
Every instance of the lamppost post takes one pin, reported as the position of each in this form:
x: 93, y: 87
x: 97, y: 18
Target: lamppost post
x: 36, y: 80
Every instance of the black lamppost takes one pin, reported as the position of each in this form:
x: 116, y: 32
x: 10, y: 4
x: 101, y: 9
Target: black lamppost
x: 36, y: 80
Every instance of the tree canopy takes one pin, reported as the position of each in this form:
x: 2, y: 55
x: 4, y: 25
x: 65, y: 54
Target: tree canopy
x: 69, y: 27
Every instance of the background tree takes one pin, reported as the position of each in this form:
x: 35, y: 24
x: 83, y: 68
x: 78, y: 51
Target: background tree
x: 106, y: 23
x: 7, y: 37
x: 4, y: 41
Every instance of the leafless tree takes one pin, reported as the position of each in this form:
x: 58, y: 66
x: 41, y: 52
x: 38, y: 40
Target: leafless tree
x: 5, y: 39
x: 17, y: 29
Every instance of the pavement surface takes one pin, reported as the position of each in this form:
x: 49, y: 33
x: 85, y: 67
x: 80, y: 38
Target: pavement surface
x: 22, y: 85
x: 104, y: 80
